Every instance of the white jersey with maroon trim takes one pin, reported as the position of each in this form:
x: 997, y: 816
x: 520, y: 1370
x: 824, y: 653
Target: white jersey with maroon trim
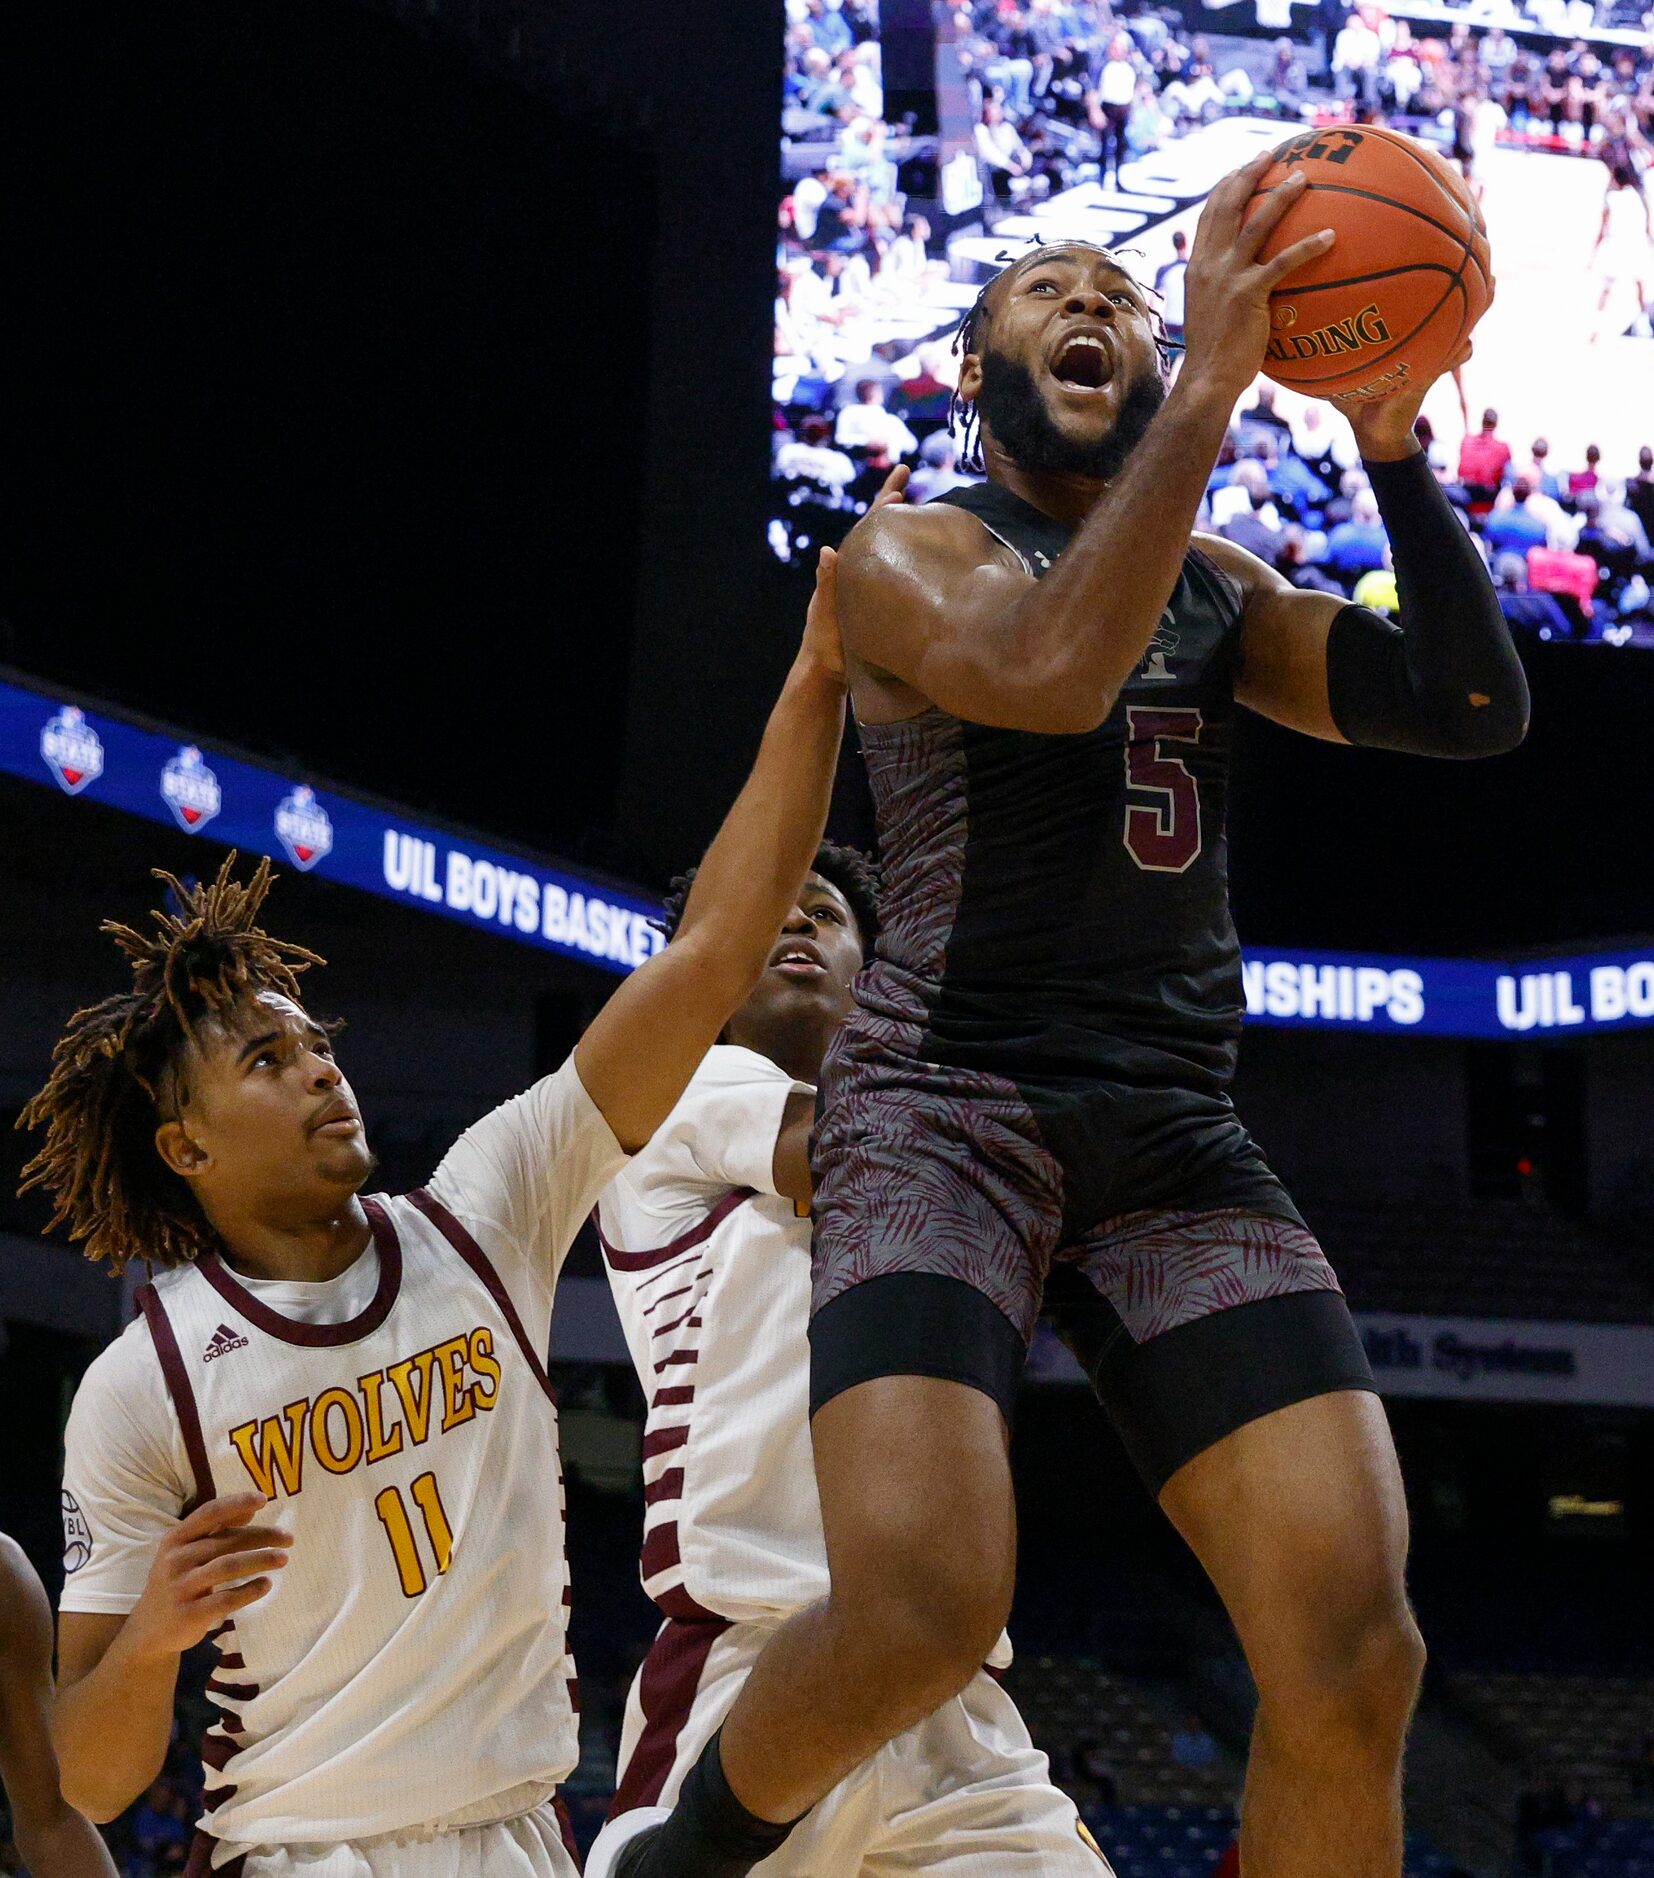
x: 710, y: 1269
x: 410, y: 1668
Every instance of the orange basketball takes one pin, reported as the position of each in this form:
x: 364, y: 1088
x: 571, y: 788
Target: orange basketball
x: 1391, y: 301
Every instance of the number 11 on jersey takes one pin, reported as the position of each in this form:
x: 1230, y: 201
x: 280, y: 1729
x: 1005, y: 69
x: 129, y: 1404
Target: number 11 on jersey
x: 393, y: 1516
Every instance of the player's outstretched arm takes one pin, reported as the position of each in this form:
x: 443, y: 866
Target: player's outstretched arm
x: 1446, y: 681
x: 927, y: 599
x: 51, y: 1836
x: 114, y: 1713
x: 637, y: 1057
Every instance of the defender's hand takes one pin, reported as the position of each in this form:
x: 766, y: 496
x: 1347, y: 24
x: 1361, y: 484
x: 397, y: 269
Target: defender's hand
x: 823, y: 646
x: 211, y: 1565
x: 1228, y: 287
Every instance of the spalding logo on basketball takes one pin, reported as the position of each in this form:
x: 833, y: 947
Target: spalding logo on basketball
x: 1394, y: 298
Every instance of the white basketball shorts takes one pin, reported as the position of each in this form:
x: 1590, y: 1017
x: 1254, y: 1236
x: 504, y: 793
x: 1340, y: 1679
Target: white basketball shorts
x: 965, y: 1794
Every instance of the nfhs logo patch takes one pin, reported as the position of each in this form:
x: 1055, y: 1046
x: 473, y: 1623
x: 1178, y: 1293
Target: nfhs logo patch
x: 77, y: 1535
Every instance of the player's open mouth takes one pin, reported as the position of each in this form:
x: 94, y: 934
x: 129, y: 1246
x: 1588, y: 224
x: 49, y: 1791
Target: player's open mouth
x: 798, y: 961
x: 1083, y: 364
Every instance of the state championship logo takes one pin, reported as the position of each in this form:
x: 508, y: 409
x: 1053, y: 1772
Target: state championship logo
x: 72, y: 750
x: 77, y: 1535
x: 305, y: 830
x: 191, y: 790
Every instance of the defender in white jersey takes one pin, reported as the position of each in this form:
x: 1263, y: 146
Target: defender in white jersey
x: 706, y: 1237
x: 395, y: 1691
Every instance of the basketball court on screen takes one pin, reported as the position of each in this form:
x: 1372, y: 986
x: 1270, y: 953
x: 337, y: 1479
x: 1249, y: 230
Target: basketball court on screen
x: 1535, y: 361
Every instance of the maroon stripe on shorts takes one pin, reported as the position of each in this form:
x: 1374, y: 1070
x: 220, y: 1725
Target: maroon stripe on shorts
x: 675, y: 1395
x: 177, y: 1380
x: 663, y: 1441
x: 660, y: 1549
x: 697, y: 1235
x: 565, y: 1827
x: 667, y: 1687
x: 677, y: 1360
x: 668, y: 1487
x: 483, y: 1266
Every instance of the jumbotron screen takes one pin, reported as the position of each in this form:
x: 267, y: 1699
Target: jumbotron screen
x: 924, y: 146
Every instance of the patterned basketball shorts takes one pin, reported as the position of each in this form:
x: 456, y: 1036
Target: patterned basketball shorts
x: 944, y: 1230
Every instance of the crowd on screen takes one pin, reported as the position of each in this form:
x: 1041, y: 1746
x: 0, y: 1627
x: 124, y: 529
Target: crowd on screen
x: 1568, y: 544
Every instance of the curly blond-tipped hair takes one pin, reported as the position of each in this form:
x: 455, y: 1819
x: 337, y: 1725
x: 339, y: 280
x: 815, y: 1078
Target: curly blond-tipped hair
x: 115, y: 1070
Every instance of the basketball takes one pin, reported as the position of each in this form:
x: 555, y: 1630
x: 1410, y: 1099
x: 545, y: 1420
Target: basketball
x: 1391, y: 302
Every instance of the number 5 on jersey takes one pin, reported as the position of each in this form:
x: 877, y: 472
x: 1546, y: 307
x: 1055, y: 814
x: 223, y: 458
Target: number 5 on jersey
x: 1162, y: 836
x: 393, y: 1516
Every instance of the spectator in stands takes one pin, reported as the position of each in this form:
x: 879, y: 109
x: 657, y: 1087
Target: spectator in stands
x: 1108, y: 104
x: 1484, y: 460
x: 830, y: 28
x: 1147, y: 127
x: 1192, y: 1744
x: 1286, y: 81
x: 868, y: 425
x: 1538, y: 613
x: 810, y: 457
x: 1583, y: 482
x: 1639, y: 491
x: 1499, y: 52
x: 925, y: 397
x: 1356, y: 58
x: 1257, y: 527
x: 1514, y: 526
x: 1538, y: 470
x: 1329, y: 449
x: 1000, y: 149
x: 1297, y: 562
x: 1359, y: 545
x: 1261, y: 414
x: 1093, y: 1766
x: 1168, y: 284
x: 938, y: 470
x: 1618, y: 519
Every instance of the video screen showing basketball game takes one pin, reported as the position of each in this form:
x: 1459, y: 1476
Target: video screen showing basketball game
x: 1489, y: 172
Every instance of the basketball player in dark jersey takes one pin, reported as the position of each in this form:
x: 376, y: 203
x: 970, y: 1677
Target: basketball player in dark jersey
x: 1030, y: 1099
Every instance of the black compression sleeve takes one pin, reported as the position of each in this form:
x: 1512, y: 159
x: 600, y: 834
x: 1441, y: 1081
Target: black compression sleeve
x: 1447, y: 681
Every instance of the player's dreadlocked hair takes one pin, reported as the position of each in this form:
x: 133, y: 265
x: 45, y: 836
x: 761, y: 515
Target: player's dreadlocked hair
x: 854, y: 874
x: 973, y: 325
x: 115, y: 1070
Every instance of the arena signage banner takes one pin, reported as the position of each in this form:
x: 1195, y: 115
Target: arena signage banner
x: 1471, y: 1359
x: 163, y: 777
x: 157, y: 775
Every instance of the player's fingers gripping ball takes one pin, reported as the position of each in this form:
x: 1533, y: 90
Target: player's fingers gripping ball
x: 1389, y: 306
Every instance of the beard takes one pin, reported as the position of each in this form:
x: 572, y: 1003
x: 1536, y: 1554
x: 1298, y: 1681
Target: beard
x: 1011, y: 407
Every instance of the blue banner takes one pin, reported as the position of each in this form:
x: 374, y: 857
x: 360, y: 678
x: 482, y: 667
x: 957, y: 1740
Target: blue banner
x: 243, y: 805
x: 316, y: 830
x: 1450, y: 997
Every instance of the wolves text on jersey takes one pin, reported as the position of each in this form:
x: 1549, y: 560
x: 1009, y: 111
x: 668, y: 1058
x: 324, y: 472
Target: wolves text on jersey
x: 377, y: 1416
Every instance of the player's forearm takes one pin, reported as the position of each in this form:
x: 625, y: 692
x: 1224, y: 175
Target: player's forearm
x: 749, y: 878
x: 1086, y: 626
x: 1450, y: 682
x: 62, y: 1843
x: 111, y: 1730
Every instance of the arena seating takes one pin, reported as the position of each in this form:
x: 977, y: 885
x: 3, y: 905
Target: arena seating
x: 1070, y: 1700
x: 1590, y: 1729
x: 1509, y: 1259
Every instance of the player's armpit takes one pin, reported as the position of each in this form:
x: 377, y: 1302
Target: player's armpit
x: 791, y: 1169
x: 1283, y: 643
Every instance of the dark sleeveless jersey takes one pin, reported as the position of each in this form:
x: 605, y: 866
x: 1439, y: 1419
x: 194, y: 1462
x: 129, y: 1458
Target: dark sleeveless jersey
x: 1056, y: 907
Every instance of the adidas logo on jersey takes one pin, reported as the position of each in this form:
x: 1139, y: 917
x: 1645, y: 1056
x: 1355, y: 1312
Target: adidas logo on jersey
x: 222, y: 1342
